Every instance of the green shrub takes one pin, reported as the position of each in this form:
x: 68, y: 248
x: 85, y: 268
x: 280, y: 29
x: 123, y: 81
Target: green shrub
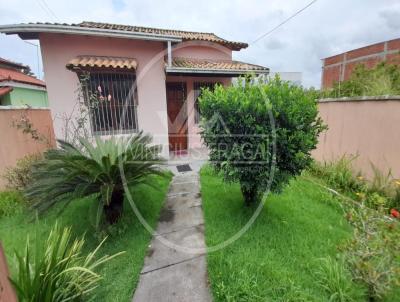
x: 381, y: 183
x: 383, y: 79
x: 380, y: 192
x: 373, y: 252
x: 339, y: 175
x: 72, y: 172
x: 238, y: 129
x: 10, y: 203
x: 20, y: 176
x: 378, y: 202
x: 58, y: 271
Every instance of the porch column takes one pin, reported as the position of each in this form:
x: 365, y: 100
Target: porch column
x: 169, y: 54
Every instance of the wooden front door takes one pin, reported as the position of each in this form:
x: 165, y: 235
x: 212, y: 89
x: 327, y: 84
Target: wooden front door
x: 177, y: 116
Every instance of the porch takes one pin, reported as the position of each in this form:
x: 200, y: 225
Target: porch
x: 185, y: 78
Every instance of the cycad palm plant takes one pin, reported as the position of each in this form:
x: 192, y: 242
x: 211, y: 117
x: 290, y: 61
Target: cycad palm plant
x: 94, y: 169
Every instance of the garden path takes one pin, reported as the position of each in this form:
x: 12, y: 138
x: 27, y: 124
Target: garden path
x: 175, y: 267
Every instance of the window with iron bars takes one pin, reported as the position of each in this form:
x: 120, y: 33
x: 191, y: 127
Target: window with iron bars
x: 197, y: 86
x: 112, y: 99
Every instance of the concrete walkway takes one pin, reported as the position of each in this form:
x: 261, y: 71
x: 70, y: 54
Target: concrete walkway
x: 171, y: 272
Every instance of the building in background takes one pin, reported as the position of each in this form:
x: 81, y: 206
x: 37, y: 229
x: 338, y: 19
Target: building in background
x: 19, y: 88
x: 293, y: 77
x: 339, y: 67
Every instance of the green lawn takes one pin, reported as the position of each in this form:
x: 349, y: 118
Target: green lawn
x: 277, y: 259
x: 120, y: 274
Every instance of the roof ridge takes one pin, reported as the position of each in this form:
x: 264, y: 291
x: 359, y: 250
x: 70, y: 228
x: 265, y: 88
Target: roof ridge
x: 174, y: 32
x: 6, y: 61
x: 150, y: 27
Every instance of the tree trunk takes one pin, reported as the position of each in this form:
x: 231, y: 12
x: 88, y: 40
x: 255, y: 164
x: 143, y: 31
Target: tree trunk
x: 371, y: 294
x: 113, y: 211
x: 250, y: 195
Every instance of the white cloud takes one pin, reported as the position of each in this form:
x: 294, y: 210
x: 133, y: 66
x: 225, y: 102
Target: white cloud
x: 324, y: 29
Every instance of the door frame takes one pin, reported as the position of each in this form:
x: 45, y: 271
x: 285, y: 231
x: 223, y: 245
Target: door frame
x: 183, y: 110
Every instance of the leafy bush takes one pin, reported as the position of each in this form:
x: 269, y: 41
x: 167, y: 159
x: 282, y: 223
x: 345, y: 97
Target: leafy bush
x: 335, y: 279
x: 10, y: 203
x: 383, y: 79
x: 375, y: 201
x: 373, y: 252
x: 237, y: 129
x: 381, y: 192
x: 59, y: 271
x: 72, y: 172
x: 339, y: 174
x: 19, y: 177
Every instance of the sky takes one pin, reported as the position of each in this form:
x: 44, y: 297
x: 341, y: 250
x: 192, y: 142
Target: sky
x: 326, y: 28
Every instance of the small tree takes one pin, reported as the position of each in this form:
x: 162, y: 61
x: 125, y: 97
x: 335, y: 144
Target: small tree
x: 253, y: 129
x: 88, y: 169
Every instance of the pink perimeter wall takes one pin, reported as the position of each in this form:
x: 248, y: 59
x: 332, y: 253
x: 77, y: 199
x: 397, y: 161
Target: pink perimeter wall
x: 367, y: 127
x: 14, y: 143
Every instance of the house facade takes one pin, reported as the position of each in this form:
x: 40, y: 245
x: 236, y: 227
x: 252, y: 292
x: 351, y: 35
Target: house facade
x: 133, y: 78
x: 20, y: 89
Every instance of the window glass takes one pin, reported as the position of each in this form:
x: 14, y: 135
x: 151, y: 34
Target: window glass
x: 197, y: 86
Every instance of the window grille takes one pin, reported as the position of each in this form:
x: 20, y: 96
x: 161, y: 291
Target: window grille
x: 111, y: 99
x: 197, y: 92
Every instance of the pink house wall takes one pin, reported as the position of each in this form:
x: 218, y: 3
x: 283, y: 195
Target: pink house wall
x: 202, y: 50
x: 62, y: 84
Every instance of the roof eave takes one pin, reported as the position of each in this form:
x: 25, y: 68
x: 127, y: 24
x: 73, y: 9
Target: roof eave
x: 15, y: 83
x: 25, y: 31
x: 239, y: 46
x: 183, y: 70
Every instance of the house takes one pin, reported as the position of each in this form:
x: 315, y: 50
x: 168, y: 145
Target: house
x: 133, y: 78
x: 338, y: 68
x: 18, y: 88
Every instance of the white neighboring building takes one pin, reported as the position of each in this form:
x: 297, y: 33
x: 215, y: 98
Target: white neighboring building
x: 294, y: 77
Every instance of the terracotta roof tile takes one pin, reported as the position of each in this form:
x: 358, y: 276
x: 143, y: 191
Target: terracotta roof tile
x: 205, y: 64
x: 4, y: 90
x: 102, y: 62
x: 184, y: 35
x: 16, y: 76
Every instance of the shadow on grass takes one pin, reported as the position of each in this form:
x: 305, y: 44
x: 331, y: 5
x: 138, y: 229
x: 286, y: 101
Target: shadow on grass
x: 276, y: 259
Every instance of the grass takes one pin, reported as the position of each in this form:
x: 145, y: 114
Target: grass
x: 10, y: 203
x: 279, y: 257
x: 120, y: 275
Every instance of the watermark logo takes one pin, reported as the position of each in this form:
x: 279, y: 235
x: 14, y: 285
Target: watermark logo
x: 247, y: 151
